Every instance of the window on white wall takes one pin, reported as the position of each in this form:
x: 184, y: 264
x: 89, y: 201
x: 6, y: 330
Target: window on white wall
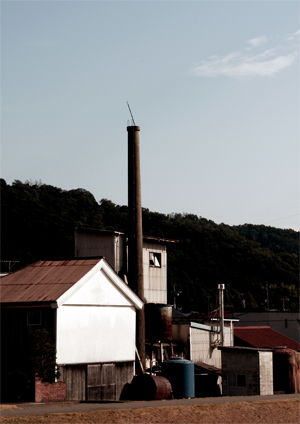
x: 155, y: 259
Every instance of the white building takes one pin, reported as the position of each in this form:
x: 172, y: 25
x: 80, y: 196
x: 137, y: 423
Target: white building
x: 89, y: 312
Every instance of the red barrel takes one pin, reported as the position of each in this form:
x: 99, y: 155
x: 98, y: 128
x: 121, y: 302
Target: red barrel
x: 286, y: 370
x: 151, y: 387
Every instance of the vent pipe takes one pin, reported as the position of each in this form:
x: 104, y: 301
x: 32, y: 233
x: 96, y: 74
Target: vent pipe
x: 221, y: 288
x: 135, y: 236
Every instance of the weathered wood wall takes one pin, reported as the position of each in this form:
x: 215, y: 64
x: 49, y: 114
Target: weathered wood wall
x: 94, y: 382
x: 75, y: 378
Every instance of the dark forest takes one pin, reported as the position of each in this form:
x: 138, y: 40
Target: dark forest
x: 38, y: 221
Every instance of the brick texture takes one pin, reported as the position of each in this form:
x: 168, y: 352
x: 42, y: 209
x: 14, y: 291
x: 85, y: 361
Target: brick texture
x: 49, y: 392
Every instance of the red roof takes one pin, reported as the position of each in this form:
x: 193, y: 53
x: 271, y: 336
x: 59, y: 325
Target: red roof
x: 43, y: 281
x: 263, y: 337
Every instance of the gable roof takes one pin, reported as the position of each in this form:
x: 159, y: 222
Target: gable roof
x: 56, y: 281
x: 263, y: 337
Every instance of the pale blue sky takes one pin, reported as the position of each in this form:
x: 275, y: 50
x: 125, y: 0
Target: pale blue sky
x: 214, y: 86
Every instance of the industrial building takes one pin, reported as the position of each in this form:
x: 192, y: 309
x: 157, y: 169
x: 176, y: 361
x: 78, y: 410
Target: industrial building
x: 107, y: 312
x: 113, y: 245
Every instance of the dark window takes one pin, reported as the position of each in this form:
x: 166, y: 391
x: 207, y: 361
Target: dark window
x: 237, y: 380
x: 232, y: 380
x: 155, y: 259
x: 34, y: 317
x: 241, y: 380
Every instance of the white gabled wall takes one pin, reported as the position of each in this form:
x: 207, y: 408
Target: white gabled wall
x: 87, y: 334
x: 98, y: 290
x: 96, y: 319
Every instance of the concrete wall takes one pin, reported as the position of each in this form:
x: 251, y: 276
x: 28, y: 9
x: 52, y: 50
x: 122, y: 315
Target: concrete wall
x: 155, y: 278
x: 266, y: 373
x: 246, y: 373
x: 240, y: 364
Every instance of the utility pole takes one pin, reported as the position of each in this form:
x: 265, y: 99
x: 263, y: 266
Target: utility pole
x: 267, y: 290
x: 175, y: 294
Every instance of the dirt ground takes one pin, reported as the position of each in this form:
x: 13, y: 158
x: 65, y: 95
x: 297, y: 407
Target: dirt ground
x: 261, y: 412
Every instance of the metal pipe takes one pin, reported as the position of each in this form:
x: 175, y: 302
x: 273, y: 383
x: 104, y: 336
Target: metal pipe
x: 135, y: 236
x: 221, y: 288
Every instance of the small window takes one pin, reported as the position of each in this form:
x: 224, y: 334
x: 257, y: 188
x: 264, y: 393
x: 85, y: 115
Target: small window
x: 237, y: 380
x: 34, y: 317
x: 241, y: 380
x: 155, y: 259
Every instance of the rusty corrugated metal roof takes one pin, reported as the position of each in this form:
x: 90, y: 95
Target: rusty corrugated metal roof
x: 263, y: 337
x: 43, y: 281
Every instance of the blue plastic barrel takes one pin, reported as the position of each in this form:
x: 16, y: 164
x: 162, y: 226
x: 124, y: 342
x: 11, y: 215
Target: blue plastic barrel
x: 180, y: 372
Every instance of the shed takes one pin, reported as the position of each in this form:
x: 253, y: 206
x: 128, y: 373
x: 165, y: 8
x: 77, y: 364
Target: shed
x: 286, y: 358
x: 90, y: 314
x: 246, y: 371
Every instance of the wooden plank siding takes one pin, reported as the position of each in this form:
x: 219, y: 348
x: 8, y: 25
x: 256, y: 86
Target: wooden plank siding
x: 96, y: 382
x: 124, y: 375
x: 75, y: 378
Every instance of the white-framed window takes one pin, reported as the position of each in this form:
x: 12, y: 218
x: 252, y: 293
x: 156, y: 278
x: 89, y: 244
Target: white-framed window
x: 155, y: 259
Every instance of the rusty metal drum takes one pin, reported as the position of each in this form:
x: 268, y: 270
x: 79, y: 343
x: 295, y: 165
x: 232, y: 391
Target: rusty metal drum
x: 158, y: 318
x: 151, y: 387
x: 286, y: 370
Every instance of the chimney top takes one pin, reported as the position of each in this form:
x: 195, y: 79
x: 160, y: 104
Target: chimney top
x: 133, y: 128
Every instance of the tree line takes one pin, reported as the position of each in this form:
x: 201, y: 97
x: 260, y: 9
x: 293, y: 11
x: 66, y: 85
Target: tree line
x: 38, y: 221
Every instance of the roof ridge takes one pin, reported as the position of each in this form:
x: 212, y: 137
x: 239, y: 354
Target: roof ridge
x: 252, y: 327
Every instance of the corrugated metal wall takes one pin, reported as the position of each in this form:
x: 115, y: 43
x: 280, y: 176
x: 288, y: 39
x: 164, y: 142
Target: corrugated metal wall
x: 155, y: 277
x: 110, y: 246
x: 201, y: 349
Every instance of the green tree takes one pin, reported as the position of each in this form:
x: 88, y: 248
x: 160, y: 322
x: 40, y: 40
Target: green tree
x: 43, y: 356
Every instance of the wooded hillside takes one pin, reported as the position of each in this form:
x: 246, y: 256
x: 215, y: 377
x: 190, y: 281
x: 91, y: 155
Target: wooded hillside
x: 38, y: 221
